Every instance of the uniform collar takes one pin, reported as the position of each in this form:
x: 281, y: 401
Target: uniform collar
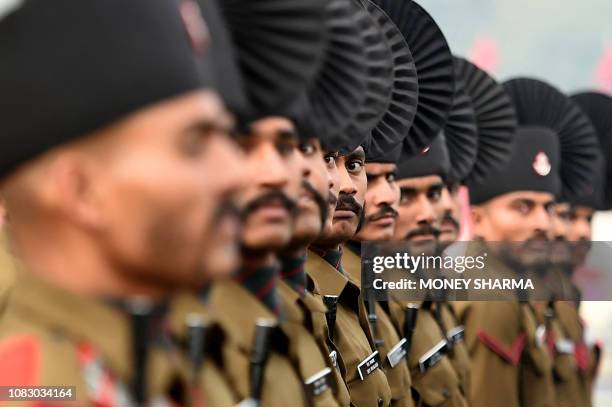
x: 290, y: 301
x: 327, y: 279
x: 351, y: 263
x: 330, y: 281
x: 237, y: 310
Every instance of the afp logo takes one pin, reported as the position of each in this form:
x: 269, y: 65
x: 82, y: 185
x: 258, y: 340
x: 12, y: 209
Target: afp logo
x: 541, y: 164
x: 194, y: 23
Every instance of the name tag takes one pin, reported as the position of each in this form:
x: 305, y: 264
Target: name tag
x: 333, y: 356
x: 457, y: 334
x: 433, y: 356
x: 565, y: 346
x: 398, y: 353
x: 368, y: 365
x: 318, y: 383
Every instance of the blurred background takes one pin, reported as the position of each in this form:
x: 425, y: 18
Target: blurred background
x: 565, y: 42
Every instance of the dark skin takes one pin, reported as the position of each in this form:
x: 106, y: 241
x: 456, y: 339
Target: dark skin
x: 418, y: 221
x: 272, y: 190
x: 382, y: 201
x: 560, y: 251
x: 352, y: 186
x: 132, y: 206
x: 580, y: 233
x: 523, y: 218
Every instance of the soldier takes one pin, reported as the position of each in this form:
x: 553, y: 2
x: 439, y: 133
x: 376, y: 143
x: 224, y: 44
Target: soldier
x: 514, y: 205
x: 297, y: 372
x: 435, y: 382
x: 381, y: 200
x: 587, y: 352
x: 112, y: 202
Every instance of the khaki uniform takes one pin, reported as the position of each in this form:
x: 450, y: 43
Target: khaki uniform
x: 585, y: 364
x: 310, y: 357
x: 51, y: 337
x: 362, y: 374
x: 211, y: 384
x: 434, y: 379
x: 455, y: 333
x: 398, y: 375
x: 507, y: 342
x: 237, y: 311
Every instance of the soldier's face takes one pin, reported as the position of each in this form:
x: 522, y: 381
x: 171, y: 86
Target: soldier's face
x: 313, y: 201
x: 352, y: 185
x: 167, y: 191
x: 560, y: 254
x: 522, y: 217
x: 334, y: 189
x: 418, y: 222
x: 382, y: 202
x: 448, y: 211
x: 270, y: 196
x: 580, y: 233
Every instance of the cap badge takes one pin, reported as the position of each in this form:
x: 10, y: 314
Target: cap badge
x: 195, y: 25
x: 541, y: 164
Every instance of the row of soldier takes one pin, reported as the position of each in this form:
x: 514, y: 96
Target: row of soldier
x: 186, y: 186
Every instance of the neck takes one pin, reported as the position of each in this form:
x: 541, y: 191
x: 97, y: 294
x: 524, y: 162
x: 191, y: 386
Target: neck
x: 77, y: 264
x: 293, y: 272
x: 259, y: 275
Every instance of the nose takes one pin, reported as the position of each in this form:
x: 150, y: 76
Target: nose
x: 385, y: 194
x: 426, y: 213
x: 541, y: 221
x: 267, y: 167
x: 234, y: 171
x: 445, y: 204
x: 347, y: 186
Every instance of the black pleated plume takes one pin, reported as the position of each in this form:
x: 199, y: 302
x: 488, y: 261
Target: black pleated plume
x: 495, y: 117
x: 461, y: 133
x: 434, y: 65
x: 598, y: 107
x: 220, y: 61
x: 540, y: 104
x: 394, y: 126
x: 339, y: 89
x: 280, y: 46
x: 379, y: 65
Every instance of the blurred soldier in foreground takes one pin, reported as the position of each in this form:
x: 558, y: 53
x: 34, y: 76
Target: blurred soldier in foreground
x: 108, y: 179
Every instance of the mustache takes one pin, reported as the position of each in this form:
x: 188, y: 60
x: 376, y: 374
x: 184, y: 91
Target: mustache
x: 267, y: 198
x: 384, y: 211
x: 448, y: 217
x: 332, y: 199
x: 321, y: 202
x: 228, y: 208
x: 423, y: 231
x: 348, y: 203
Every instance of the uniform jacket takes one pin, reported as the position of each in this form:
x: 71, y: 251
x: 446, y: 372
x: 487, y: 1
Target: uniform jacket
x: 398, y: 376
x: 506, y: 342
x: 211, y: 384
x: 51, y: 337
x: 311, y: 359
x: 237, y: 311
x: 434, y: 379
x: 352, y: 335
